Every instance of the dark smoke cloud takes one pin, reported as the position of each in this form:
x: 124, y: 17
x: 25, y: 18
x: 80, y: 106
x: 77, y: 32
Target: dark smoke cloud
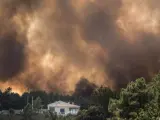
x: 63, y: 22
x: 66, y: 32
x: 12, y: 44
x: 126, y: 61
x: 99, y: 23
x: 11, y: 56
x: 13, y: 5
x: 130, y: 61
x: 84, y: 88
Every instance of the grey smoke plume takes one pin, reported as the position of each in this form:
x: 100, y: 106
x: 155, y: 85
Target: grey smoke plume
x: 56, y: 42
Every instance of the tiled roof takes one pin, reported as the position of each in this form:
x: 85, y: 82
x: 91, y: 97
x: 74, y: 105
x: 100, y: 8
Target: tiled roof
x: 63, y: 104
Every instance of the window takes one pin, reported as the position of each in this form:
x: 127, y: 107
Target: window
x: 72, y: 110
x: 62, y: 111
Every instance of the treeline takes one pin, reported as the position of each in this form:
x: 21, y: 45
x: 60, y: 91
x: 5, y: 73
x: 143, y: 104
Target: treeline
x: 81, y: 96
x: 138, y: 101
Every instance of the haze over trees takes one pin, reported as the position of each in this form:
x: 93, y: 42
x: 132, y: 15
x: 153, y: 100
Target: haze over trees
x: 139, y: 100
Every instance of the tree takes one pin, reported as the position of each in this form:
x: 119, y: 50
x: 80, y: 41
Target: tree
x: 27, y: 112
x: 84, y: 88
x: 37, y: 104
x: 93, y: 113
x: 41, y: 94
x: 83, y: 92
x: 151, y: 110
x: 53, y: 116
x: 5, y: 99
x: 11, y: 113
x: 101, y: 96
x: 132, y: 98
x: 15, y: 101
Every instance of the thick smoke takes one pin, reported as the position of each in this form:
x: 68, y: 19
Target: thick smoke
x: 11, y: 56
x: 51, y: 44
x: 84, y: 88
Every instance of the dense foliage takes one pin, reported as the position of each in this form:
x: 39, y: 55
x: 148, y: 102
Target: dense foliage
x: 138, y: 101
x: 81, y: 96
x: 93, y: 113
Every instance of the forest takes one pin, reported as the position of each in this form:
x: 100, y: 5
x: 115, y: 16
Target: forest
x: 139, y: 100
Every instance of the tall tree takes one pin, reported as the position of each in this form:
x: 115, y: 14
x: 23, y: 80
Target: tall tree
x: 5, y: 99
x: 151, y: 110
x: 132, y: 98
x: 101, y: 96
x: 27, y: 112
x: 37, y: 104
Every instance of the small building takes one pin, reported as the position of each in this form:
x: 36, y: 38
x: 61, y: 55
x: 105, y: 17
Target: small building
x: 63, y: 108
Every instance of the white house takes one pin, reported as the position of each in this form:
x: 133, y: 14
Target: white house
x: 63, y: 108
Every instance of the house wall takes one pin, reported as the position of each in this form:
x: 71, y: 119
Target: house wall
x: 57, y: 110
x: 67, y: 110
x: 74, y: 111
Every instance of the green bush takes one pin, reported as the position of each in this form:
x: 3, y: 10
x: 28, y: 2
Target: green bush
x: 93, y: 113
